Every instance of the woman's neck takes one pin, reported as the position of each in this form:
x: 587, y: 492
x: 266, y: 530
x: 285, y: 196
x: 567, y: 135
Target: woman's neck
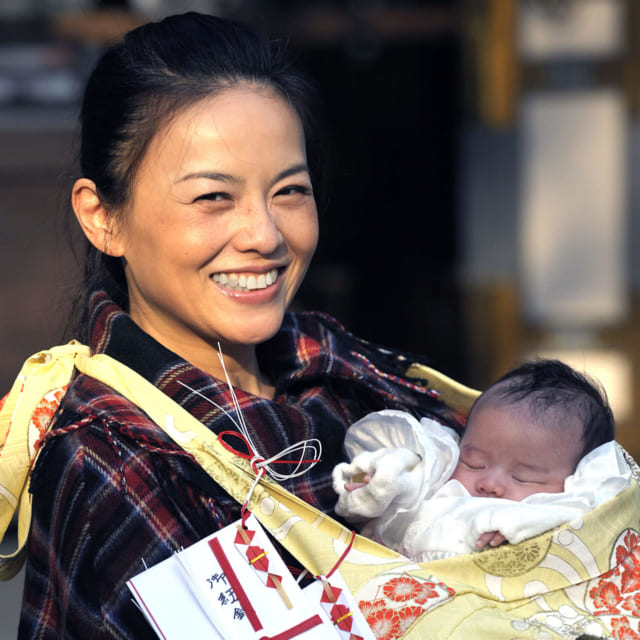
x: 240, y: 360
x: 240, y: 366
x: 245, y: 375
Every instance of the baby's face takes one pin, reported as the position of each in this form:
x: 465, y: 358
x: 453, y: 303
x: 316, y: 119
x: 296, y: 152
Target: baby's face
x: 506, y: 453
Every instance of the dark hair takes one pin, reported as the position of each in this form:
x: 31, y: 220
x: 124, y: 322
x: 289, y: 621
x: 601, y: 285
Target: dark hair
x: 138, y: 85
x: 551, y: 384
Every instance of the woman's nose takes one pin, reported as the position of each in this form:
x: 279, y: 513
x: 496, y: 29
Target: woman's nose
x: 258, y: 230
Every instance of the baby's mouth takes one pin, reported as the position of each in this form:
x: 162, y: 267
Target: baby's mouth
x: 246, y: 282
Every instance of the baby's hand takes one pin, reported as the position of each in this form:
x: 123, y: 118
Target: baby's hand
x: 380, y: 477
x: 358, y: 481
x: 490, y: 539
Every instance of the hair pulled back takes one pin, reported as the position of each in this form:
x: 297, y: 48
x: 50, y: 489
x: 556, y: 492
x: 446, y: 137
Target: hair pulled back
x: 140, y: 84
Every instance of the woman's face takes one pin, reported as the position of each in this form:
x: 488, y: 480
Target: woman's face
x: 222, y: 223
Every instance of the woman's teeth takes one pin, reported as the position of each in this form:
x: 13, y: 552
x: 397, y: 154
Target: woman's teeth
x: 242, y: 282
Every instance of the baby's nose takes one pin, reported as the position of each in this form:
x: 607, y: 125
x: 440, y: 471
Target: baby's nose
x: 491, y: 486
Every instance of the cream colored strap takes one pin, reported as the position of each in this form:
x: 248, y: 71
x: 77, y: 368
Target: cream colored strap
x: 231, y: 472
x: 54, y: 368
x: 40, y: 374
x: 455, y: 395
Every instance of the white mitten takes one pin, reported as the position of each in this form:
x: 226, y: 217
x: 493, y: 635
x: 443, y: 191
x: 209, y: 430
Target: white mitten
x: 396, y: 475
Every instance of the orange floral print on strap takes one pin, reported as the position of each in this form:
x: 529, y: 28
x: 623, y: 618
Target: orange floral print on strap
x: 43, y: 415
x: 399, y: 602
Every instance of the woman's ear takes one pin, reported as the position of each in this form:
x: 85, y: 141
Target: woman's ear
x: 96, y: 222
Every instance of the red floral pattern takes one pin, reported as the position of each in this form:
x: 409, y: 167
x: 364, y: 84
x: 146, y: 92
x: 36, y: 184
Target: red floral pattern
x: 404, y: 599
x: 402, y: 589
x: 41, y: 417
x: 633, y: 605
x: 407, y: 616
x: 606, y: 597
x: 617, y: 592
x: 628, y: 559
x: 369, y: 607
x: 44, y: 412
x: 622, y: 629
x: 385, y: 624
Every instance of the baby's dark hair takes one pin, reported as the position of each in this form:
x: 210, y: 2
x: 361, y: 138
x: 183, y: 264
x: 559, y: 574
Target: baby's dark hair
x: 551, y: 385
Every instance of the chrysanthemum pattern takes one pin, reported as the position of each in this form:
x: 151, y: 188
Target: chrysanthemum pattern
x: 622, y: 629
x: 615, y: 596
x: 399, y: 602
x: 42, y: 416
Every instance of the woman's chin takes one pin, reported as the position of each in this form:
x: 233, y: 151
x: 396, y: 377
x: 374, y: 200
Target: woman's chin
x: 253, y: 332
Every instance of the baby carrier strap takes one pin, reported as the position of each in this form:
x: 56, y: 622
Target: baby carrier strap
x: 450, y: 392
x: 523, y: 591
x: 23, y: 420
x: 52, y: 370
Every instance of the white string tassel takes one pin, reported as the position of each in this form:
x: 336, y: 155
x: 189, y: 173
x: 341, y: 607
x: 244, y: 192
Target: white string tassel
x: 305, y: 454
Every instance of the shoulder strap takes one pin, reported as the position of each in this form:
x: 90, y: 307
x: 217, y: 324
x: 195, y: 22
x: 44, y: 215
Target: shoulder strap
x: 42, y: 373
x: 275, y: 507
x: 455, y: 395
x: 52, y: 369
x: 312, y: 540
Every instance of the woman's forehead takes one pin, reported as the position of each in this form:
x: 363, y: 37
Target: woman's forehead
x: 236, y: 124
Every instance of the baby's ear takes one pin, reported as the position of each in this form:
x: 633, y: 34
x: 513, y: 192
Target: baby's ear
x: 97, y: 222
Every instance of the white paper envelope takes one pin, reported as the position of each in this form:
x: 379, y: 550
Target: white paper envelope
x: 234, y: 585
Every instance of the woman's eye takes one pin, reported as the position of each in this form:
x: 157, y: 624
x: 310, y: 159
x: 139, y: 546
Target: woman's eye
x: 214, y: 196
x: 294, y: 190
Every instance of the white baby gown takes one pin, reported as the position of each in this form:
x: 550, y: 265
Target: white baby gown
x: 411, y: 505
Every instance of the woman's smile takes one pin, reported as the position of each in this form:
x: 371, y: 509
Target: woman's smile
x: 238, y: 281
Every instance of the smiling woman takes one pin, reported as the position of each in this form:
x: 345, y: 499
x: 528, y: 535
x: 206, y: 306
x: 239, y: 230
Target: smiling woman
x: 200, y: 171
x: 222, y: 204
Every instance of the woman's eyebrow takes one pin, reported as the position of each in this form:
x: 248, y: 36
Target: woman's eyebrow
x: 227, y: 177
x: 211, y: 175
x: 296, y: 168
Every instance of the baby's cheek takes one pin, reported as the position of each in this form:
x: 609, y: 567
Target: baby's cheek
x: 462, y: 476
x: 519, y: 493
x: 457, y: 474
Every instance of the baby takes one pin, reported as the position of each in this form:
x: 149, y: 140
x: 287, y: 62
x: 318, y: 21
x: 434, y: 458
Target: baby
x: 538, y: 449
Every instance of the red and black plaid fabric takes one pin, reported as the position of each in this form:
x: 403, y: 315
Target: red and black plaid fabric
x: 112, y: 492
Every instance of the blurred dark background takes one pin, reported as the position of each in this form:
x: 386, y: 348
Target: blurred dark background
x: 386, y: 259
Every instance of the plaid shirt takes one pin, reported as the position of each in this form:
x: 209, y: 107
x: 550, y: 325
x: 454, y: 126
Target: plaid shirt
x: 112, y: 492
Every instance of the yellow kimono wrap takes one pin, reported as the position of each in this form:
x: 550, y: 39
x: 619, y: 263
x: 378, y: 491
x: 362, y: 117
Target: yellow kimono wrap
x: 581, y: 579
